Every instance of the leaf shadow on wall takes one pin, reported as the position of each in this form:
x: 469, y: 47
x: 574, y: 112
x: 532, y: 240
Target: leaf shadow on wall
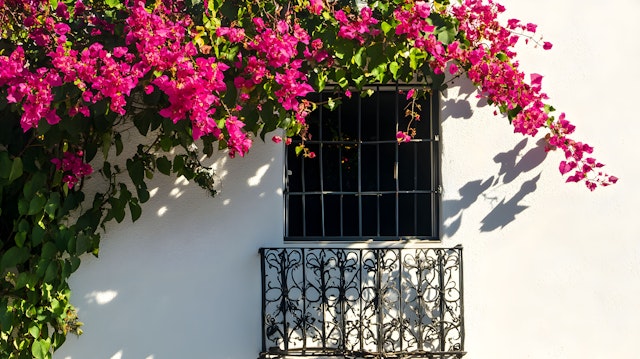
x: 512, y: 165
x: 460, y: 107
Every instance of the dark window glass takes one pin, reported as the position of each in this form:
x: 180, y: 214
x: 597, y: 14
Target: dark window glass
x: 362, y: 184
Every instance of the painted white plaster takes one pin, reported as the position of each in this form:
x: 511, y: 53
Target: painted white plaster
x: 551, y: 271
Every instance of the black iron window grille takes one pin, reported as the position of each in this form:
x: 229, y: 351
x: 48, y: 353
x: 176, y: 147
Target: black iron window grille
x: 362, y: 184
x: 362, y: 303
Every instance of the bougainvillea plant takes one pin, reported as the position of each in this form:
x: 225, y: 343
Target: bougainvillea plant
x: 187, y: 76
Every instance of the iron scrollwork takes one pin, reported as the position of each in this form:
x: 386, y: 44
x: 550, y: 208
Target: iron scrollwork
x: 362, y: 303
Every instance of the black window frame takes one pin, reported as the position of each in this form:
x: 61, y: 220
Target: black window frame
x: 428, y: 136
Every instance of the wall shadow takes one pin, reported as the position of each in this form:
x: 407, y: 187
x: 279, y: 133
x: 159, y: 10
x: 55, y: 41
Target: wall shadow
x: 453, y: 209
x: 505, y: 212
x: 513, y: 164
x: 459, y: 107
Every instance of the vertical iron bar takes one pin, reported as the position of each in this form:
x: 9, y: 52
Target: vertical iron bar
x: 323, y: 293
x: 461, y: 286
x: 400, y: 309
x: 379, y: 293
x: 378, y: 160
x: 283, y: 303
x: 359, y: 150
x: 304, y: 300
x: 304, y: 197
x: 415, y: 188
x: 419, y: 294
x: 360, y: 297
x: 442, y: 303
x: 340, y: 138
x: 264, y: 299
x: 342, y: 299
x: 397, y: 118
x: 321, y: 165
x: 434, y: 119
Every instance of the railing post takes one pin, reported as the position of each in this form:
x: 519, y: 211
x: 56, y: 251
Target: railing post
x: 264, y: 299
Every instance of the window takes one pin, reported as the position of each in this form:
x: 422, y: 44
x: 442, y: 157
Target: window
x: 362, y: 184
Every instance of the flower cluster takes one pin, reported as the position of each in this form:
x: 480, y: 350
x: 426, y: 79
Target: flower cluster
x: 577, y: 162
x: 354, y: 28
x: 272, y: 59
x: 489, y: 63
x: 72, y: 167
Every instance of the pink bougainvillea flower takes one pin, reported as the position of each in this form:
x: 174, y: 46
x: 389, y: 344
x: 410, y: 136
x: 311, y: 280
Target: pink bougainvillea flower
x: 402, y: 137
x: 315, y: 6
x: 410, y: 93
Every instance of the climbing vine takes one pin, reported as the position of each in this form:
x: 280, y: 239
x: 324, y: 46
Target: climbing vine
x: 80, y: 80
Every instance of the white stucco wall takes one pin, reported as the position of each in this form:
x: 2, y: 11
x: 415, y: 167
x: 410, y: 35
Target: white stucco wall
x: 551, y: 270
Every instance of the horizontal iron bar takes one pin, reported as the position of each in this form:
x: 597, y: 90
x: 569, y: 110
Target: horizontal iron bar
x: 359, y: 238
x: 313, y: 352
x: 364, y: 193
x: 363, y: 142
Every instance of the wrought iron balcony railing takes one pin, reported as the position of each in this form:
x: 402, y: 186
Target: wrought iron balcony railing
x: 362, y: 303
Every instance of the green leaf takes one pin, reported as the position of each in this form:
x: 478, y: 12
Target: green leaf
x: 106, y: 144
x: 117, y: 209
x: 207, y: 144
x: 14, y: 256
x: 113, y: 3
x: 37, y: 204
x: 446, y: 35
x: 106, y: 169
x: 5, y: 164
x: 52, y: 205
x: 90, y: 151
x: 16, y: 169
x: 75, y: 263
x: 37, y: 235
x: 118, y: 141
x: 136, y: 210
x: 143, y: 194
x: 143, y: 122
x: 20, y: 238
x: 136, y: 170
x: 49, y: 250
x: 34, y: 330
x: 514, y: 112
x: 178, y: 164
x: 6, y: 316
x: 379, y: 72
x: 358, y: 57
x: 40, y: 349
x: 251, y: 119
x: 343, y: 49
x: 51, y: 273
x: 35, y: 183
x: 393, y: 68
x: 83, y: 243
x: 23, y: 206
x: 385, y: 26
x: 416, y: 58
x: 166, y: 143
x: 28, y: 280
x: 164, y: 165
